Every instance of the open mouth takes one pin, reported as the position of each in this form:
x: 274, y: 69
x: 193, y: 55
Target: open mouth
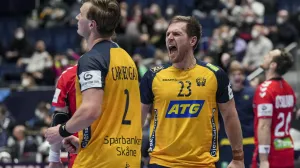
x: 172, y: 49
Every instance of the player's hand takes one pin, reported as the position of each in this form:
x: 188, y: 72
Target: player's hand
x: 56, y: 165
x: 52, y: 135
x: 236, y: 164
x: 264, y: 164
x: 71, y: 144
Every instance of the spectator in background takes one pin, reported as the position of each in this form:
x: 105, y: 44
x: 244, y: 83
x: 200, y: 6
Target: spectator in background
x: 231, y: 14
x: 208, y: 59
x: 257, y: 48
x: 7, y: 123
x: 54, y: 14
x: 23, y: 148
x: 74, y: 10
x: 19, y: 48
x: 138, y: 60
x: 295, y: 19
x: 243, y: 96
x: 145, y: 49
x: 42, y: 117
x: 123, y: 20
x: 204, y: 8
x: 39, y: 65
x: 284, y: 32
x: 257, y: 8
x: 61, y: 63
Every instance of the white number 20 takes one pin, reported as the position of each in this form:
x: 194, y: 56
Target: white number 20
x: 284, y: 122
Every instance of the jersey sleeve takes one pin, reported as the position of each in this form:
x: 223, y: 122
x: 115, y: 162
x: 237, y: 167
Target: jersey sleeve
x: 147, y: 96
x: 60, y: 94
x: 224, y: 91
x: 92, y: 70
x: 263, y: 102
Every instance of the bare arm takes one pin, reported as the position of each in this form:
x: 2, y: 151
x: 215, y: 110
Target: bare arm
x: 145, y: 110
x: 88, y: 112
x: 264, y: 135
x: 232, y: 124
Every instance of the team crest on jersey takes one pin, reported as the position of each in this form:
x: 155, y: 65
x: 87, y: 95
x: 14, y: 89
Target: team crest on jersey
x: 201, y: 81
x: 156, y: 69
x: 184, y: 108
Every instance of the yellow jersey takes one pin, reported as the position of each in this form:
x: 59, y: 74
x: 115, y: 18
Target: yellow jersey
x: 114, y: 139
x: 183, y: 131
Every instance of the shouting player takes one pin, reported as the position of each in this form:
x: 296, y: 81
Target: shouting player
x: 108, y: 89
x: 64, y: 101
x: 274, y: 102
x: 186, y: 97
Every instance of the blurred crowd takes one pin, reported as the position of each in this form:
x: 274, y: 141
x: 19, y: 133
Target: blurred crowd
x: 236, y: 34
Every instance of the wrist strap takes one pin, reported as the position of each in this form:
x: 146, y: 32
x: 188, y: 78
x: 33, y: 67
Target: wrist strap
x: 54, y: 156
x: 238, y: 154
x: 63, y: 132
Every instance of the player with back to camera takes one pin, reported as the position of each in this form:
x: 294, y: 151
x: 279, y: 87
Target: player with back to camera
x: 108, y: 118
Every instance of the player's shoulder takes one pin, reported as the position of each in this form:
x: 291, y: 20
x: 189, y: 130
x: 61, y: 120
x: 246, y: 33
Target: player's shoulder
x: 69, y: 73
x: 154, y: 70
x: 264, y: 88
x: 217, y: 71
x: 210, y: 67
x: 99, y: 53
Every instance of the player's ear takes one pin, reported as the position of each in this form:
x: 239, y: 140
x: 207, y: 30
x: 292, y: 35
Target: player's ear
x: 92, y: 24
x: 193, y: 41
x: 273, y: 65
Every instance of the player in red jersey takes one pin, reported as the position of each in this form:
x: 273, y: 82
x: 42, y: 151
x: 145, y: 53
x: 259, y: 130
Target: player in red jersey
x: 273, y: 104
x: 64, y: 101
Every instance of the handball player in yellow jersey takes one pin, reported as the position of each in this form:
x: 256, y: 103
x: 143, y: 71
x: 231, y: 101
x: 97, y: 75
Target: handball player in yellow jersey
x: 186, y: 97
x: 108, y: 117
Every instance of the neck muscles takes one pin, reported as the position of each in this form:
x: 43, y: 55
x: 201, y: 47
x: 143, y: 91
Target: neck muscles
x: 92, y: 40
x: 188, y: 62
x: 270, y: 75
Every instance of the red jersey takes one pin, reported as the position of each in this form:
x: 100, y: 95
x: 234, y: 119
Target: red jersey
x: 275, y: 99
x: 65, y: 96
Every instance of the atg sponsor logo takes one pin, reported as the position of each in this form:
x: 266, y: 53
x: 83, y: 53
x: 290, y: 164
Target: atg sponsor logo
x: 184, y: 108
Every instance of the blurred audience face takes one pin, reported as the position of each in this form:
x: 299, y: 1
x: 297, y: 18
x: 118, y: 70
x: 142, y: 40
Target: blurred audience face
x: 19, y: 132
x: 19, y: 33
x: 208, y: 59
x: 236, y: 75
x: 83, y: 22
x: 237, y: 78
x: 224, y: 32
x: 170, y: 11
x: 230, y: 4
x: 282, y: 16
x: 40, y: 46
x: 177, y: 41
x: 256, y: 32
x: 155, y: 10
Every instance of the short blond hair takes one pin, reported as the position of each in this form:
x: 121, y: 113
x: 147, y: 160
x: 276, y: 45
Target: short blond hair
x: 236, y: 66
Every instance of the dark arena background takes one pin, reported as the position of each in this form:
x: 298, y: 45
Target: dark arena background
x: 39, y: 40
